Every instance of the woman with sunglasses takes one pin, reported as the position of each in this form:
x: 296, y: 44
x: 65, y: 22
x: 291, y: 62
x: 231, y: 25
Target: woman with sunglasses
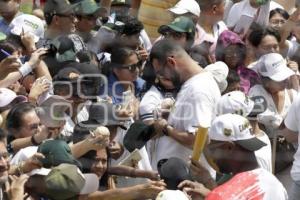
x: 123, y: 75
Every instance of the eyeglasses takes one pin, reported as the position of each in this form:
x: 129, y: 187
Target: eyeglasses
x: 89, y: 17
x: 132, y: 68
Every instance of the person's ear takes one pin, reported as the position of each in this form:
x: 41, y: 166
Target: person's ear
x: 171, y: 61
x: 214, y: 9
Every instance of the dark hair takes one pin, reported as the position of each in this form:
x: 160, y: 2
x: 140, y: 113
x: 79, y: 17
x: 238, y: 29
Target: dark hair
x: 280, y: 11
x: 131, y: 26
x: 207, y: 4
x: 119, y: 55
x: 258, y: 33
x: 163, y: 48
x: 16, y: 41
x: 48, y: 18
x: 15, y: 115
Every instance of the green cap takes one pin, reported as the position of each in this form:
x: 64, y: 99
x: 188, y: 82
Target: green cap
x: 66, y: 182
x: 56, y: 152
x: 180, y: 24
x: 2, y: 36
x: 58, y: 7
x: 88, y: 7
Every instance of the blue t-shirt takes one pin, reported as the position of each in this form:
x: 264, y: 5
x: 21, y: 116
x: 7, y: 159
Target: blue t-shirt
x: 115, y: 91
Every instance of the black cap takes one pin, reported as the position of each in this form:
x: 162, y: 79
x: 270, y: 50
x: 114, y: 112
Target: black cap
x: 173, y: 171
x: 105, y: 114
x: 138, y: 135
x: 58, y: 7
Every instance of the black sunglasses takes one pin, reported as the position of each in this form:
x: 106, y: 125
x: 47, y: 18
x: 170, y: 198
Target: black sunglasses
x: 133, y: 67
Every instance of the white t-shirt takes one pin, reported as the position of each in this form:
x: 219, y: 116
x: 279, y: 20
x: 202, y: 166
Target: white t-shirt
x: 271, y: 118
x: 292, y: 122
x: 264, y: 154
x: 194, y: 106
x: 150, y: 101
x: 257, y: 184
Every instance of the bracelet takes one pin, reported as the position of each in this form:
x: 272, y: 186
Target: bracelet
x: 33, y: 141
x: 25, y: 69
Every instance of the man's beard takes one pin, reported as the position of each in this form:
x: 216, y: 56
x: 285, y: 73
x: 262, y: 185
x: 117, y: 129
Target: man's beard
x: 176, y: 80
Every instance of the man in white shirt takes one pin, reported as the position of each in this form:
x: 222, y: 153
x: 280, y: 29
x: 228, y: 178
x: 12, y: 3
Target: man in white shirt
x: 195, y: 101
x: 291, y: 133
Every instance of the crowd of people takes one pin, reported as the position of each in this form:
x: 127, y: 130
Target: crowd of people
x: 105, y: 100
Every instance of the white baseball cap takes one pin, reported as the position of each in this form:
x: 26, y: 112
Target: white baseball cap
x: 28, y: 23
x: 234, y: 128
x: 274, y: 66
x: 171, y: 195
x: 186, y: 6
x: 7, y: 96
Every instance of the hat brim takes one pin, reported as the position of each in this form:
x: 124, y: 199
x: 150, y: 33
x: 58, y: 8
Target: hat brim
x: 178, y: 11
x: 252, y: 144
x: 137, y: 136
x: 91, y: 184
x: 91, y: 123
x: 18, y: 31
x: 283, y: 75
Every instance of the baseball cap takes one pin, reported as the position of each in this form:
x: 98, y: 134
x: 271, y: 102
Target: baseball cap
x: 29, y: 24
x: 2, y: 36
x: 56, y: 152
x: 66, y: 181
x: 180, y: 24
x: 138, y: 135
x: 234, y: 128
x: 52, y: 111
x: 186, y: 6
x: 64, y: 48
x: 236, y: 102
x: 171, y: 195
x: 88, y: 7
x: 273, y: 66
x: 105, y: 114
x: 7, y: 96
x: 173, y: 171
x: 58, y: 7
x: 219, y: 70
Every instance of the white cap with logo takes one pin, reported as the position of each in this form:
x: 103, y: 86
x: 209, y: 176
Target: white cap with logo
x: 29, y: 24
x: 273, y: 66
x: 234, y: 128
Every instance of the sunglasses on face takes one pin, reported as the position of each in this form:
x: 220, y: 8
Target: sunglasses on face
x: 173, y: 34
x: 132, y: 68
